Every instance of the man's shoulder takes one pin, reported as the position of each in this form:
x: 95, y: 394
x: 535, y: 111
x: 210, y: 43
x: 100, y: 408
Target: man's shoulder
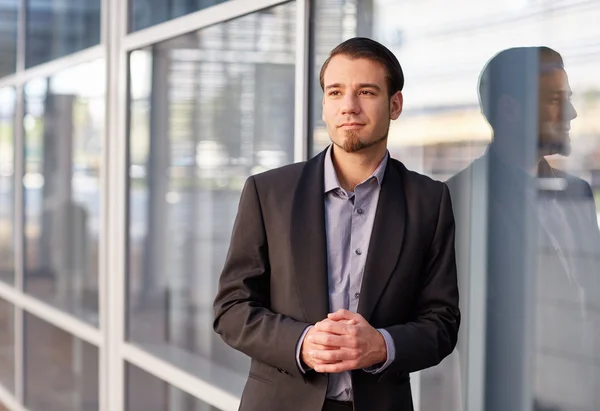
x: 414, y: 178
x: 284, y: 175
x: 477, y: 166
x: 576, y: 186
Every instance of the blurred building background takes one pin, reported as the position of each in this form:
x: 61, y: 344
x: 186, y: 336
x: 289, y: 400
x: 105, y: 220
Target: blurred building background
x: 127, y: 129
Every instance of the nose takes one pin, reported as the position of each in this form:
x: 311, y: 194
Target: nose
x: 350, y: 104
x: 571, y: 113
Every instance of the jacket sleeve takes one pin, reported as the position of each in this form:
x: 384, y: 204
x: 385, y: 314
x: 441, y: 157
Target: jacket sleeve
x: 432, y: 334
x: 242, y: 306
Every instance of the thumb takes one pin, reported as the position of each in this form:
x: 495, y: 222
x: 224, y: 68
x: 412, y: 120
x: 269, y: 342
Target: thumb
x: 340, y: 315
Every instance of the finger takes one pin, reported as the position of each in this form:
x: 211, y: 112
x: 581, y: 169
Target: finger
x: 342, y: 314
x: 326, y: 339
x: 351, y: 322
x: 334, y: 341
x: 318, y: 346
x: 337, y: 367
x: 317, y: 361
x: 333, y: 355
x: 311, y: 362
x: 334, y: 327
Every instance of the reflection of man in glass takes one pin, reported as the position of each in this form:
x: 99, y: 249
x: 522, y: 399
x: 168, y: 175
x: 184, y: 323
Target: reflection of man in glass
x: 542, y: 241
x: 341, y: 279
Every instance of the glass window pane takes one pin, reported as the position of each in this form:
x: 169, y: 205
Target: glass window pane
x: 9, y: 18
x: 64, y: 126
x: 7, y: 346
x: 146, y: 13
x: 7, y: 183
x: 531, y: 255
x: 145, y: 392
x: 207, y: 110
x: 56, y: 28
x: 61, y: 371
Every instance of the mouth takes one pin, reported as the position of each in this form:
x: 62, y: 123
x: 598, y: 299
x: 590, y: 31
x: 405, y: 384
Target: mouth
x: 351, y: 126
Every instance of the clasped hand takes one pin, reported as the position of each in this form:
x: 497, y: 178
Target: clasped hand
x: 343, y: 341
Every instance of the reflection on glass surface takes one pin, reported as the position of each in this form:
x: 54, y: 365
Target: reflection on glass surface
x: 207, y: 110
x: 61, y: 371
x: 7, y: 155
x: 145, y: 392
x: 543, y: 237
x: 56, y: 28
x: 63, y: 128
x: 441, y: 132
x: 7, y: 346
x: 9, y: 17
x: 146, y: 13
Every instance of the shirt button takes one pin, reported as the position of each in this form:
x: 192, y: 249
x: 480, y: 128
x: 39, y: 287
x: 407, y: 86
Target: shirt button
x: 358, y: 251
x: 360, y: 211
x: 356, y: 295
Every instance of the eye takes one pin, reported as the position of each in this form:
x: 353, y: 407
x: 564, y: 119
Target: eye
x: 334, y: 93
x: 367, y: 92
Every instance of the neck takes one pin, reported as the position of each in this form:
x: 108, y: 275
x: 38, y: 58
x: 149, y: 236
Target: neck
x: 354, y: 168
x: 513, y: 150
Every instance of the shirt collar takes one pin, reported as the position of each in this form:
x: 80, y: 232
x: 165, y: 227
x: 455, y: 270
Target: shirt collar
x: 331, y: 179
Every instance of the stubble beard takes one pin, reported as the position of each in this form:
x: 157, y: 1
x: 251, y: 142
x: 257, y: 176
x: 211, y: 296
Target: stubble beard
x: 554, y: 142
x: 562, y: 148
x: 354, y: 144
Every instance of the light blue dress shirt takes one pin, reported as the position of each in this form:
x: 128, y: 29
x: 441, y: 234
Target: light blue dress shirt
x: 349, y: 218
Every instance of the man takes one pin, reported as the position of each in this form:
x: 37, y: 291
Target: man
x: 340, y: 278
x: 543, y: 244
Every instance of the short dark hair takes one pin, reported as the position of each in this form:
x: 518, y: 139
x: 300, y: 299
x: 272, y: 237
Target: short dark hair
x: 510, y: 70
x: 365, y: 48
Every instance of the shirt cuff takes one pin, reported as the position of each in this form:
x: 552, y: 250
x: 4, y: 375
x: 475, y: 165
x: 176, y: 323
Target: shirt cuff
x: 391, y: 354
x: 299, y: 349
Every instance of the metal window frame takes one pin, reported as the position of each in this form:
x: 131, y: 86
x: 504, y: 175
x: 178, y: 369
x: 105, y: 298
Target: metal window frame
x: 115, y: 45
x: 112, y: 279
x: 474, y: 390
x: 9, y: 400
x: 19, y: 316
x: 52, y: 67
x: 180, y: 379
x: 302, y: 90
x: 51, y: 315
x: 118, y: 351
x: 219, y: 13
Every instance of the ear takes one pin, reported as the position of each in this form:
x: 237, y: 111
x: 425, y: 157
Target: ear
x: 323, y: 108
x: 396, y: 104
x: 509, y: 109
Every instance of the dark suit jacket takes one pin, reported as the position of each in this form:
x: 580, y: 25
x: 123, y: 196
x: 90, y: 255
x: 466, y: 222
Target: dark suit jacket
x: 274, y: 285
x: 534, y: 308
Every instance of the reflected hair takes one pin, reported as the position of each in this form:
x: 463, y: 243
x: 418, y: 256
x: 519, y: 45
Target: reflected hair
x: 365, y: 48
x: 511, y: 71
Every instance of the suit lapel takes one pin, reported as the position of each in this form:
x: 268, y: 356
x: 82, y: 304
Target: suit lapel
x: 308, y: 242
x: 386, y: 239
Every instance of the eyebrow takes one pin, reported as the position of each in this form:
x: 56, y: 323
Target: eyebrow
x: 361, y: 85
x: 560, y: 92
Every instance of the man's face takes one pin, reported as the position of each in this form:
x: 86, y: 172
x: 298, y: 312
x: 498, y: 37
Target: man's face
x: 356, y: 106
x: 555, y: 113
